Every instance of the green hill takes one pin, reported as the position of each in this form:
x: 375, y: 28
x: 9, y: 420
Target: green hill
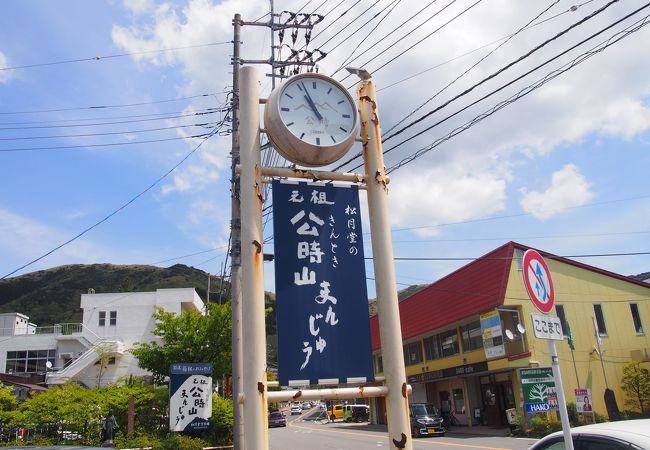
x: 52, y: 296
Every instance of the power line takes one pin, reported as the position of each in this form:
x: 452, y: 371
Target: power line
x: 116, y: 211
x: 159, y: 116
x: 378, y: 41
x: 527, y: 90
x: 119, y: 55
x: 440, y: 91
x: 511, y: 64
x: 194, y: 114
x: 427, y: 37
x: 496, y: 41
x: 588, y: 255
x: 187, y: 256
x: 123, y: 105
x: 109, y: 133
x: 110, y: 144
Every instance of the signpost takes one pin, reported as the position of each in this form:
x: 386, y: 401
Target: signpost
x: 492, y: 335
x: 536, y: 384
x: 190, y: 397
x: 539, y: 285
x: 320, y: 280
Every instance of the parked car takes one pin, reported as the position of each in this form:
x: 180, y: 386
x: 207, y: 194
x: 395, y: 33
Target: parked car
x: 623, y: 435
x: 425, y: 420
x: 277, y: 419
x: 295, y: 409
x: 306, y: 405
x: 356, y: 413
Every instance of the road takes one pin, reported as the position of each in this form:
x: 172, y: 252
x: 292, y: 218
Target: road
x: 302, y: 433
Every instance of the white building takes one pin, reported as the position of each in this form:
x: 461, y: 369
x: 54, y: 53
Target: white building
x: 112, y: 323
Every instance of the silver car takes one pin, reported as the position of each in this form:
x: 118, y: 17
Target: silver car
x: 623, y: 435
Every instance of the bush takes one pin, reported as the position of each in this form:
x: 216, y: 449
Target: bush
x: 142, y: 440
x: 572, y: 411
x: 540, y: 426
x: 222, y: 420
x: 180, y: 442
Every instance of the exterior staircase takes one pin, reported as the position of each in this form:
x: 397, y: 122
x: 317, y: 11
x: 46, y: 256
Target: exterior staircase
x: 102, y: 347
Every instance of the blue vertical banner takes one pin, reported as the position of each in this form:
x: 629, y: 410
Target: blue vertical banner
x: 320, y: 282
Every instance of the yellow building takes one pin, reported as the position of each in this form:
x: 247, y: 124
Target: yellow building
x: 467, y: 336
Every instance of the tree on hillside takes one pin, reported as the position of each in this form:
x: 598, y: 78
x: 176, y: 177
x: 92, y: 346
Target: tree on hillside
x: 188, y: 338
x: 636, y: 384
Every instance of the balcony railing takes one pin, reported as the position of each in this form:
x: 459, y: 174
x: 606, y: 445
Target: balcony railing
x: 58, y: 329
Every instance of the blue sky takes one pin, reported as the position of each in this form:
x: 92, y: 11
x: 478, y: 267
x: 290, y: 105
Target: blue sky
x: 563, y: 169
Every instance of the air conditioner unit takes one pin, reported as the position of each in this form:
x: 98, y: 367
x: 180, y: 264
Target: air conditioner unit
x: 642, y: 355
x: 65, y: 355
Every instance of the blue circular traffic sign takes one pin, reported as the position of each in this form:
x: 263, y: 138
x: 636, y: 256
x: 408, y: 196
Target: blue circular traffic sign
x: 538, y: 282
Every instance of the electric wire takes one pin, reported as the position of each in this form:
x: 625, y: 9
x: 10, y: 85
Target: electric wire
x: 394, y: 4
x: 116, y: 211
x: 466, y: 71
x: 175, y: 258
x: 109, y: 144
x: 122, y: 105
x: 110, y: 133
x: 402, y: 53
x: 161, y: 116
x: 513, y: 63
x: 366, y: 10
x: 336, y: 19
x: 527, y: 90
x: 180, y: 116
x: 119, y: 55
x: 413, y: 30
x: 496, y: 41
x: 378, y: 41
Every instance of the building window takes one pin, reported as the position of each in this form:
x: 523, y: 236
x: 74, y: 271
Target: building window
x: 432, y: 348
x: 636, y: 318
x: 559, y: 309
x: 113, y: 318
x: 600, y: 320
x: 102, y: 318
x: 32, y: 361
x: 449, y: 343
x: 412, y: 353
x: 472, y: 336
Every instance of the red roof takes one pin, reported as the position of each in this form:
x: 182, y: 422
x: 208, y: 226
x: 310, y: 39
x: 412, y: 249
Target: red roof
x: 475, y: 288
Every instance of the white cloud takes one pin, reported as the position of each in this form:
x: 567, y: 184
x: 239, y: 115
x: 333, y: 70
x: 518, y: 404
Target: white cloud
x: 4, y: 74
x: 26, y: 239
x: 568, y: 189
x: 139, y: 6
x: 436, y: 196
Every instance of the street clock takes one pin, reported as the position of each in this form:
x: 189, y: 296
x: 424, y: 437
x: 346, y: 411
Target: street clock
x: 311, y: 119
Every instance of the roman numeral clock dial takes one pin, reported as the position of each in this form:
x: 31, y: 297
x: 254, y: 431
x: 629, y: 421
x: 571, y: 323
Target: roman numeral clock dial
x: 311, y: 119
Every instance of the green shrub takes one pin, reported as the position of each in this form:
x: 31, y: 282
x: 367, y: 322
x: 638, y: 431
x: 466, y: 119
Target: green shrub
x: 572, y: 411
x: 180, y: 442
x: 539, y: 425
x: 138, y: 441
x: 222, y: 420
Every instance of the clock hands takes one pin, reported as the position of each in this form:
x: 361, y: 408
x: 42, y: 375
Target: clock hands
x: 311, y: 103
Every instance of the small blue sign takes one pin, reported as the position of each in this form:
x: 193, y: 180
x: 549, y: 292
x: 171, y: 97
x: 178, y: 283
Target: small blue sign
x: 537, y: 407
x: 320, y: 282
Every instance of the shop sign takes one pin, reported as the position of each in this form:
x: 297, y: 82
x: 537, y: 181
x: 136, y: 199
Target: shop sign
x: 320, y: 280
x: 547, y: 327
x: 467, y: 369
x: 190, y: 396
x: 538, y: 386
x: 583, y: 400
x: 492, y: 335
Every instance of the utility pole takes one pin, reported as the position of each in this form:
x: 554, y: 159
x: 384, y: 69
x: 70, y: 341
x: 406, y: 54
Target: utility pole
x: 235, y: 226
x: 235, y: 274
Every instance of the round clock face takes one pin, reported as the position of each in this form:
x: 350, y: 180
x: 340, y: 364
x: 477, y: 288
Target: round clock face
x: 311, y: 120
x: 317, y: 111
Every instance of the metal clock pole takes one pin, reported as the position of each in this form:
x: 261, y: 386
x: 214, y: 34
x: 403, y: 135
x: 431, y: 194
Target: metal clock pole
x: 399, y: 432
x: 252, y: 255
